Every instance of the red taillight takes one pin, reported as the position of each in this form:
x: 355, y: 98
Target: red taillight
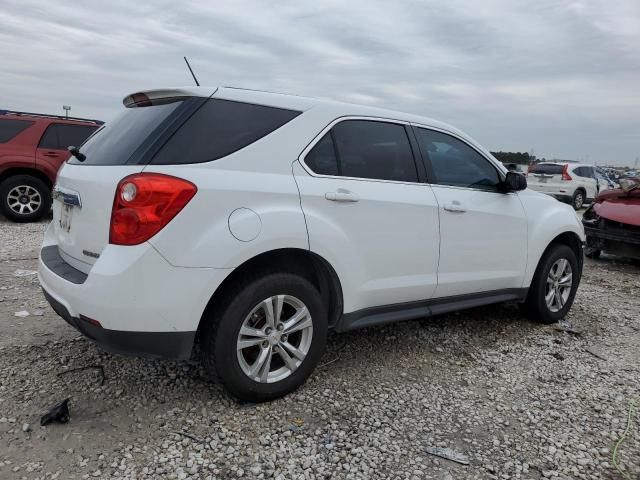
x: 144, y: 204
x: 565, y: 173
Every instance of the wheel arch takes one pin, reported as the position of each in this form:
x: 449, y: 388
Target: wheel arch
x: 567, y: 237
x: 14, y: 171
x: 292, y: 260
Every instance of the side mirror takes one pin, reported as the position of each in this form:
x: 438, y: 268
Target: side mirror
x: 514, y: 182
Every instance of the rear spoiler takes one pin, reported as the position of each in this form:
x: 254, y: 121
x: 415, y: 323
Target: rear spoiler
x: 147, y: 97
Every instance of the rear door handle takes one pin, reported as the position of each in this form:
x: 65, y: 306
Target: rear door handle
x: 455, y: 207
x: 51, y: 154
x: 341, y: 197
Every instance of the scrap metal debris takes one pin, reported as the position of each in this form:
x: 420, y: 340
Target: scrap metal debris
x: 564, y: 325
x: 99, y: 368
x: 57, y: 413
x: 24, y: 273
x: 193, y: 437
x: 595, y: 353
x: 449, y: 454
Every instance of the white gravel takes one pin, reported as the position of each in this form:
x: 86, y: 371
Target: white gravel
x: 519, y: 400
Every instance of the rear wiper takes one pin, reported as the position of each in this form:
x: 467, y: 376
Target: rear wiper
x: 76, y: 153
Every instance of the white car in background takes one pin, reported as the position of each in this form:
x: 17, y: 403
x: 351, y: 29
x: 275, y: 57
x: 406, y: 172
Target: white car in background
x: 572, y: 183
x: 257, y: 222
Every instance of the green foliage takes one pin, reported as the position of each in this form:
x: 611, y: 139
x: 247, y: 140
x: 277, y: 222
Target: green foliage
x: 522, y: 158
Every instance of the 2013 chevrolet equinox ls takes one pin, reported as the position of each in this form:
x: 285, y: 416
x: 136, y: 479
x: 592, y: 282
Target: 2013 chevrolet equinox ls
x: 258, y: 221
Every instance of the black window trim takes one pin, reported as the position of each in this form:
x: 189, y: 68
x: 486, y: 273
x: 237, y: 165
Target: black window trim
x: 328, y: 128
x: 431, y: 178
x: 20, y: 120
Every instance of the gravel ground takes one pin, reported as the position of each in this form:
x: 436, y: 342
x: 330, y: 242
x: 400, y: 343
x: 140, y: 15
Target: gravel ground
x: 520, y: 400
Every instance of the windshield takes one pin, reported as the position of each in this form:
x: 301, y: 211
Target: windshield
x: 117, y: 140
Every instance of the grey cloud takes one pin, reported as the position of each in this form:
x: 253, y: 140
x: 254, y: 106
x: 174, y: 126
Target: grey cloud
x: 561, y: 77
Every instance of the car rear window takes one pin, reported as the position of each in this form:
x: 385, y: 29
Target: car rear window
x: 219, y: 128
x: 10, y: 128
x: 117, y: 141
x: 547, y: 169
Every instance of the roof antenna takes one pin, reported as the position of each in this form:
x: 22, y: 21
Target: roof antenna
x: 192, y: 74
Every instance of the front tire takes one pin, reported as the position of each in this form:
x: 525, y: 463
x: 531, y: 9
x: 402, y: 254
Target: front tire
x: 24, y: 198
x: 554, y: 285
x: 578, y: 200
x: 266, y: 336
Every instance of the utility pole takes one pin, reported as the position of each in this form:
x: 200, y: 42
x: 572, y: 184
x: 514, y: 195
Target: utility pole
x: 66, y: 109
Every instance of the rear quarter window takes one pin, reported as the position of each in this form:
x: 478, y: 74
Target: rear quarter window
x: 10, y: 128
x: 219, y: 128
x: 548, y: 169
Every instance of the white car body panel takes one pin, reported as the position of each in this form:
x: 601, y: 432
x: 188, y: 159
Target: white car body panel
x: 384, y: 246
x: 397, y: 244
x: 546, y: 219
x: 485, y: 235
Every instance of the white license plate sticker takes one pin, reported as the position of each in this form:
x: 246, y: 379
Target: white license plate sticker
x: 65, y: 217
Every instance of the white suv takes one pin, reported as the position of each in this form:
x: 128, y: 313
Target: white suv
x: 256, y: 222
x: 572, y: 183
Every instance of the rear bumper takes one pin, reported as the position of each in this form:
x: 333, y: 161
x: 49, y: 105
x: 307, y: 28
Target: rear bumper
x: 144, y: 305
x: 175, y: 345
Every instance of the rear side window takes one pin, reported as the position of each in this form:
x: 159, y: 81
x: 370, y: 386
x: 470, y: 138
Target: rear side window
x: 365, y: 149
x: 11, y: 128
x: 455, y: 163
x: 547, y: 169
x: 60, y: 136
x: 118, y: 139
x: 219, y: 128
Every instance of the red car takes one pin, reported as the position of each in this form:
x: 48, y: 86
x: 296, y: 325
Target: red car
x: 32, y: 149
x: 612, y: 223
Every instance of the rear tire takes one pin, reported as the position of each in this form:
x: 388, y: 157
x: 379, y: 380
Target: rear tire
x: 549, y: 299
x: 578, y: 199
x: 24, y: 198
x: 238, y: 336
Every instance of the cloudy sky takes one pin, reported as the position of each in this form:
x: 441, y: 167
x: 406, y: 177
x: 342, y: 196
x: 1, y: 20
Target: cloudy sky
x: 559, y: 77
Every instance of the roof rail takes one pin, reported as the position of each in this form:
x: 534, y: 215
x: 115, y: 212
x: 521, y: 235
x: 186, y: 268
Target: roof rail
x: 44, y: 115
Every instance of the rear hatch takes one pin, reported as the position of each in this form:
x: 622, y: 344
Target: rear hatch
x: 546, y: 175
x: 85, y: 190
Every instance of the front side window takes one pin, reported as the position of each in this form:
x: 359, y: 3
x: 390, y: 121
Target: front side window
x: 322, y: 157
x: 10, y: 128
x: 365, y: 149
x: 455, y: 163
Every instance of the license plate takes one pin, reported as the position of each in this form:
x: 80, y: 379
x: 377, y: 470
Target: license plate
x: 65, y: 217
x: 542, y: 179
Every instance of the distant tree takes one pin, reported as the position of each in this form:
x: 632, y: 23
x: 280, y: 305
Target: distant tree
x: 521, y: 158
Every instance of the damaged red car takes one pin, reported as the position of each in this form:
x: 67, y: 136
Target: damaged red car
x: 612, y: 222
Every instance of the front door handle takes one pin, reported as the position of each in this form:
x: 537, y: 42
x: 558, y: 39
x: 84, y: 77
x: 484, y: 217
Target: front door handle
x: 341, y: 196
x: 455, y: 207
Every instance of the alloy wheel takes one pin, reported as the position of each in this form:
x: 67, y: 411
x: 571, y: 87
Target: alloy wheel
x: 24, y: 199
x: 274, y: 339
x: 558, y: 287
